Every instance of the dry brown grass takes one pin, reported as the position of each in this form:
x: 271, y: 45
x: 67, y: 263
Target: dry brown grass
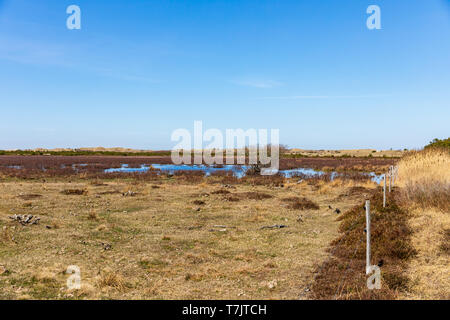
x: 303, y: 203
x: 111, y: 279
x: 344, y: 184
x: 77, y: 192
x: 7, y: 235
x: 156, y: 245
x: 29, y: 196
x: 430, y: 270
x: 425, y: 178
x: 445, y: 244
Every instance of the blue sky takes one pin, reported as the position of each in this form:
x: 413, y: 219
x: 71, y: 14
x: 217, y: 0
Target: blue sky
x: 137, y: 70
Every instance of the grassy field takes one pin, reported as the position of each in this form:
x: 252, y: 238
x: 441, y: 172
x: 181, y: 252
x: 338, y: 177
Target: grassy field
x: 186, y: 236
x: 167, y: 239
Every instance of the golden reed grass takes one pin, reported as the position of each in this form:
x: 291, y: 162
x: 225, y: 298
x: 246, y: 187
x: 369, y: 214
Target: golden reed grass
x: 424, y: 178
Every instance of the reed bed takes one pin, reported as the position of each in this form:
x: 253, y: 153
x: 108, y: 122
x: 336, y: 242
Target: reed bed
x: 424, y: 178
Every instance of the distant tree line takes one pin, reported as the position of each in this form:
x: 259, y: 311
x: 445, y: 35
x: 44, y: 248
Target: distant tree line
x: 438, y: 143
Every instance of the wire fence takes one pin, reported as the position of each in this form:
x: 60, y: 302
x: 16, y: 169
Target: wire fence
x: 389, y: 180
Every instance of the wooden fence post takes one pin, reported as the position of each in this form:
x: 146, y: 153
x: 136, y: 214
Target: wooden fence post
x: 367, y: 236
x: 384, y: 192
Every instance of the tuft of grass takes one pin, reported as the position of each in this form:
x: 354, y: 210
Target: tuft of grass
x: 256, y: 195
x: 92, y: 215
x: 231, y: 198
x: 147, y: 263
x: 6, y: 235
x: 303, y: 203
x: 78, y: 192
x: 29, y: 196
x: 221, y: 191
x: 109, y: 278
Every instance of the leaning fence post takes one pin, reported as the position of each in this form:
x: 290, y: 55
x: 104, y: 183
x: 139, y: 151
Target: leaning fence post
x: 367, y: 236
x: 384, y: 192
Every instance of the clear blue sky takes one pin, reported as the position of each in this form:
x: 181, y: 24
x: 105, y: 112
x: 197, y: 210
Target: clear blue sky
x: 137, y: 70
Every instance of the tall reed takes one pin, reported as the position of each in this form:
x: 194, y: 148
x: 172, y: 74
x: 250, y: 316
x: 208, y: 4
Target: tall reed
x: 425, y: 178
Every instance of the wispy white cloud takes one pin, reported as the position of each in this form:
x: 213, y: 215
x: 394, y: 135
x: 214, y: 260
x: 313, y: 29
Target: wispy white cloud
x: 123, y: 76
x: 39, y: 54
x: 257, y: 83
x: 326, y: 97
x: 30, y: 52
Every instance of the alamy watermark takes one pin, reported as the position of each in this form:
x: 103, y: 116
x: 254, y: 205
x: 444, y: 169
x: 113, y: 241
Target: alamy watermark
x: 374, y: 280
x: 236, y: 146
x: 74, y: 280
x: 374, y: 20
x: 74, y: 20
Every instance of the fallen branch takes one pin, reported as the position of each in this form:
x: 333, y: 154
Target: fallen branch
x: 275, y: 226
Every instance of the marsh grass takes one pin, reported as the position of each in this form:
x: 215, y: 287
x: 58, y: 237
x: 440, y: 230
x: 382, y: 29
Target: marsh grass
x: 424, y: 178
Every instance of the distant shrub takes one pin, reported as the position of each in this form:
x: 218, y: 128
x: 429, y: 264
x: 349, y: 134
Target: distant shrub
x: 438, y: 143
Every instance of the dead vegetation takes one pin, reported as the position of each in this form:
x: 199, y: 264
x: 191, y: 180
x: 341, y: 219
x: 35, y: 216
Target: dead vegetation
x: 221, y: 191
x: 187, y: 236
x: 154, y: 246
x: 429, y: 270
x: 77, y: 192
x: 445, y: 243
x: 7, y: 235
x: 425, y: 179
x: 303, y: 203
x: 112, y: 279
x: 254, y: 195
x: 30, y: 196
